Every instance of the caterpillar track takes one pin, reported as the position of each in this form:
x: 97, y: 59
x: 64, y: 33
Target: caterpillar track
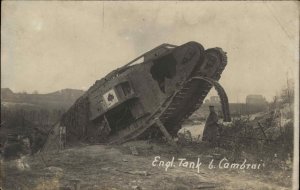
x: 192, y: 95
x: 185, y: 102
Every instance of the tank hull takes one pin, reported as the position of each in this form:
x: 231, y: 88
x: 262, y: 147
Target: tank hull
x: 126, y: 103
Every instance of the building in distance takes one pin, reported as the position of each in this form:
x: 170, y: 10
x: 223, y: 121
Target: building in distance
x: 256, y: 100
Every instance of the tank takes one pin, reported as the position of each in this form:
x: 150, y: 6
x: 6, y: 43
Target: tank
x: 150, y: 96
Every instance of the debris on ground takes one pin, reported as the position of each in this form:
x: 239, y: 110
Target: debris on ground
x: 134, y: 150
x: 101, y: 167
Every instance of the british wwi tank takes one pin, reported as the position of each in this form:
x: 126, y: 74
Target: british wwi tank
x: 151, y: 95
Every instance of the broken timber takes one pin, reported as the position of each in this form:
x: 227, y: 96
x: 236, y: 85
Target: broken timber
x: 162, y: 128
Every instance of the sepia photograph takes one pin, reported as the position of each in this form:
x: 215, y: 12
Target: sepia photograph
x: 146, y: 95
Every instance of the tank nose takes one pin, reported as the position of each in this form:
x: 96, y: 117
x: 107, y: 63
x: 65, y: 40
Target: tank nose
x: 213, y: 64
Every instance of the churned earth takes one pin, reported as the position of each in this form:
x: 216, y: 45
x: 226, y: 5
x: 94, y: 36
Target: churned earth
x: 131, y: 166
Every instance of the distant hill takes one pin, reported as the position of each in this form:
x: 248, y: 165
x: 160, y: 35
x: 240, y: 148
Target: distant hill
x: 59, y: 99
x: 31, y: 115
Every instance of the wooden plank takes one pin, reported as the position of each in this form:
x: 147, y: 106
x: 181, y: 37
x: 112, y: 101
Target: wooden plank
x: 165, y: 132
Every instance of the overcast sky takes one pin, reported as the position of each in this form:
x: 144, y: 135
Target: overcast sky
x: 51, y: 45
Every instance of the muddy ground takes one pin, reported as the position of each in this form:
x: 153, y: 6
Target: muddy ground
x: 115, y: 167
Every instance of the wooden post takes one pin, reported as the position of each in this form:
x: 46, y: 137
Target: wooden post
x: 62, y: 137
x: 262, y: 130
x: 165, y: 132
